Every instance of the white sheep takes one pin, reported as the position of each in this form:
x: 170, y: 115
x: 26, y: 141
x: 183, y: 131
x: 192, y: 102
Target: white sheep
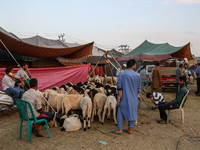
x: 101, y: 90
x: 61, y: 91
x: 86, y: 106
x: 97, y: 79
x: 72, y: 123
x: 71, y: 101
x: 55, y: 100
x: 108, y: 80
x: 98, y: 104
x: 110, y: 104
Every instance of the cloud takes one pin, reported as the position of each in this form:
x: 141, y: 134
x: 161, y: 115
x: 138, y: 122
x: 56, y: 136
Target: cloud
x: 188, y: 1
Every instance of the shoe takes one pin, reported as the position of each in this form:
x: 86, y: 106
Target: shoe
x: 159, y: 120
x: 197, y: 94
x: 163, y: 122
x: 37, y: 133
x: 114, y: 132
x: 125, y: 130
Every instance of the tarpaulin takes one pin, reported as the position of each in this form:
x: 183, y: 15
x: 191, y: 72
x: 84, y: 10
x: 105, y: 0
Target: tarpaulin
x: 157, y: 52
x: 50, y: 77
x: 17, y: 46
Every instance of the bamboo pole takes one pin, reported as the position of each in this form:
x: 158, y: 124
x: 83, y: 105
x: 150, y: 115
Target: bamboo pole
x: 95, y: 66
x: 110, y: 69
x: 114, y: 59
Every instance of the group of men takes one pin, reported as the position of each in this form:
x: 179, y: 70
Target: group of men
x: 31, y: 95
x: 129, y: 86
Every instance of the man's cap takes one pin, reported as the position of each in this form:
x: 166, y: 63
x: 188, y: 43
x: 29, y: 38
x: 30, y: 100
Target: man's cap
x: 124, y: 65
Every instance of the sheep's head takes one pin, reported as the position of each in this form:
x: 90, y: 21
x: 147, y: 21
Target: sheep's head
x: 61, y: 91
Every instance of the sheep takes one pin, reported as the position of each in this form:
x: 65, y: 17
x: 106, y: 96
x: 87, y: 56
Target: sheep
x: 110, y: 104
x: 108, y: 80
x: 64, y: 87
x: 55, y: 100
x: 72, y: 123
x: 55, y: 88
x: 97, y: 79
x: 98, y: 84
x: 86, y: 106
x: 92, y: 93
x: 61, y: 91
x: 98, y: 103
x: 71, y: 101
x: 72, y: 91
x: 101, y: 90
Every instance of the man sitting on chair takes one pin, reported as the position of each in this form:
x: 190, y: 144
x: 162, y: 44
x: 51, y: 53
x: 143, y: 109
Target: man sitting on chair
x: 34, y: 98
x: 174, y: 104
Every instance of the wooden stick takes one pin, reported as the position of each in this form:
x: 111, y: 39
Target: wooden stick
x: 110, y: 70
x: 114, y: 59
x: 95, y: 66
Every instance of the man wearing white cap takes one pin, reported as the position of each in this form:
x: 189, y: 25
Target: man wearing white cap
x: 119, y: 70
x: 123, y: 68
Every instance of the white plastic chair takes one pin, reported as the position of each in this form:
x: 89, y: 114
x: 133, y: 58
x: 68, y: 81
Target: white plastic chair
x: 180, y: 109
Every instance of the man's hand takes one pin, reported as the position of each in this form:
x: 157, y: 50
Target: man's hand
x: 22, y: 83
x: 168, y: 103
x: 43, y: 110
x: 119, y: 99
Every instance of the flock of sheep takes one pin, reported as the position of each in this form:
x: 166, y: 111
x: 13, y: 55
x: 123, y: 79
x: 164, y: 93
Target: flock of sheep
x: 94, y: 97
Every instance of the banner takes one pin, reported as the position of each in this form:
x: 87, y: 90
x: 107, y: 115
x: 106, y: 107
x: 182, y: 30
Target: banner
x: 50, y: 77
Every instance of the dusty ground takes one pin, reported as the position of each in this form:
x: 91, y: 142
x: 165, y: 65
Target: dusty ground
x: 147, y: 135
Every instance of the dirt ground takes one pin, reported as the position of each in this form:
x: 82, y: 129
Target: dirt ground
x: 147, y: 135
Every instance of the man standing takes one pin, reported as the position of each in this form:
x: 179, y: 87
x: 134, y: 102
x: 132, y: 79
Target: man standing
x: 156, y: 77
x: 198, y: 80
x: 174, y: 104
x: 34, y: 98
x: 128, y: 85
x: 144, y: 77
x: 179, y: 72
x: 8, y: 84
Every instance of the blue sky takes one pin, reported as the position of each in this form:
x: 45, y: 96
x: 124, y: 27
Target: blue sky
x: 109, y: 23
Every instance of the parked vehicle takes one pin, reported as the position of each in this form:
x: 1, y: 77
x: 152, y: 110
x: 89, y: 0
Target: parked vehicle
x: 168, y: 78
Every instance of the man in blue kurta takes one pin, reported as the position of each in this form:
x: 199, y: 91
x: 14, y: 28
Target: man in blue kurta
x: 128, y: 85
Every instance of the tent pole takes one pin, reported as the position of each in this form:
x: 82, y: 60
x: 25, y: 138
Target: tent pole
x: 114, y: 59
x: 110, y: 69
x: 95, y: 66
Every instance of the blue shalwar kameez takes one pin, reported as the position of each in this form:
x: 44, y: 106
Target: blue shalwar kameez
x: 129, y: 82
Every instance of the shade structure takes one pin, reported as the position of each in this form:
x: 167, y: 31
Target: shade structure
x: 18, y: 46
x: 158, y: 52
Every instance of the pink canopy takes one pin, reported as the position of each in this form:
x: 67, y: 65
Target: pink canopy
x: 50, y: 77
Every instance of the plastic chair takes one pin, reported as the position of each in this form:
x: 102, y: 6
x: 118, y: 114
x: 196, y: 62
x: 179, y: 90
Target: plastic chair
x: 22, y: 109
x: 180, y: 109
